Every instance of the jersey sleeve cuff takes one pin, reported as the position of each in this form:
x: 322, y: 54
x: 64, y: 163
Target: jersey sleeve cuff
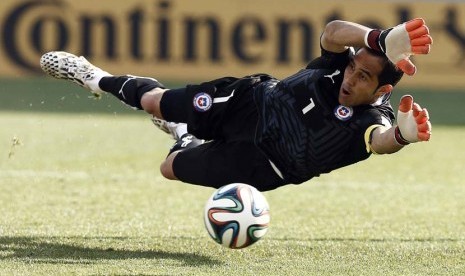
x: 367, y: 137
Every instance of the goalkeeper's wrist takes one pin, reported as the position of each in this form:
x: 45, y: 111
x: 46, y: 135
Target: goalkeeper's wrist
x: 398, y: 137
x: 372, y: 39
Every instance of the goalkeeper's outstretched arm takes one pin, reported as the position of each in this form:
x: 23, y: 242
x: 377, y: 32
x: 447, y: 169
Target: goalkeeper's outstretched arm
x: 413, y: 126
x: 397, y: 43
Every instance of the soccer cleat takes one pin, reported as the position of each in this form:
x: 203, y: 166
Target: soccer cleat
x: 63, y: 65
x: 174, y: 129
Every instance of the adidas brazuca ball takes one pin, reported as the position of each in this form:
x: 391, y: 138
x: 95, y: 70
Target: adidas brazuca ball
x: 237, y: 215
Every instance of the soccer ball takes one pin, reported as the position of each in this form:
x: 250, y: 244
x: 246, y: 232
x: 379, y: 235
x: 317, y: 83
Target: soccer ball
x: 237, y: 215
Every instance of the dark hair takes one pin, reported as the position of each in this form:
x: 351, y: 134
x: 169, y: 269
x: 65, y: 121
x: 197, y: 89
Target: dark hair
x: 391, y: 74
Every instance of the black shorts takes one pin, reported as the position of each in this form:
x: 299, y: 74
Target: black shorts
x: 224, y: 113
x: 217, y: 163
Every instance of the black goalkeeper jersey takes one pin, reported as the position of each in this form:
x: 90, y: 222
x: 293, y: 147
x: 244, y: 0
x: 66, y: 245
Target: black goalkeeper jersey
x: 303, y: 129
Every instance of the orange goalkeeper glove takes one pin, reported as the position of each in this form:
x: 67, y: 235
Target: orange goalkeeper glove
x: 400, y: 42
x: 412, y: 122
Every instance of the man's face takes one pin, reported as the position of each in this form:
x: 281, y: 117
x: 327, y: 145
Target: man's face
x: 361, y: 80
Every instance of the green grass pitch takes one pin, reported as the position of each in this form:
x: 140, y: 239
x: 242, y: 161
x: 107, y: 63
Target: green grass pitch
x: 81, y: 194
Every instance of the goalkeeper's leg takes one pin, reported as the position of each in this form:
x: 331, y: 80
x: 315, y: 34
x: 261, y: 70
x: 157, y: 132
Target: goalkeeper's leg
x: 137, y: 92
x: 129, y: 89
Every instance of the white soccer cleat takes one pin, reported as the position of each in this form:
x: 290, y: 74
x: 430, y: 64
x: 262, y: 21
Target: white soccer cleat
x: 63, y: 65
x: 176, y: 130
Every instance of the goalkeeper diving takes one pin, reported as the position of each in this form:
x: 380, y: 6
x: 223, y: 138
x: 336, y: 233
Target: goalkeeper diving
x: 269, y: 132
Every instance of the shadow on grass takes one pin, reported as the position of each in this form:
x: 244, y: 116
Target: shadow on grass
x: 65, y: 250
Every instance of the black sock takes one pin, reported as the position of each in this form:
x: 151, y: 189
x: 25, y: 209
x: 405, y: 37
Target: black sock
x: 129, y: 89
x: 185, y: 142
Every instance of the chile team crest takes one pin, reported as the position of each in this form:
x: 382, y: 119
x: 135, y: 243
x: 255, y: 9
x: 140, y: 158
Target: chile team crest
x: 202, y: 102
x: 343, y: 113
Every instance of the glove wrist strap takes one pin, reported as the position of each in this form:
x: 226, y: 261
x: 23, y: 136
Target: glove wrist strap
x: 398, y: 137
x: 372, y: 40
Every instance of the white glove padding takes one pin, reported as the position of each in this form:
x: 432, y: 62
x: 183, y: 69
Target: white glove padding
x: 412, y: 121
x: 400, y: 42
